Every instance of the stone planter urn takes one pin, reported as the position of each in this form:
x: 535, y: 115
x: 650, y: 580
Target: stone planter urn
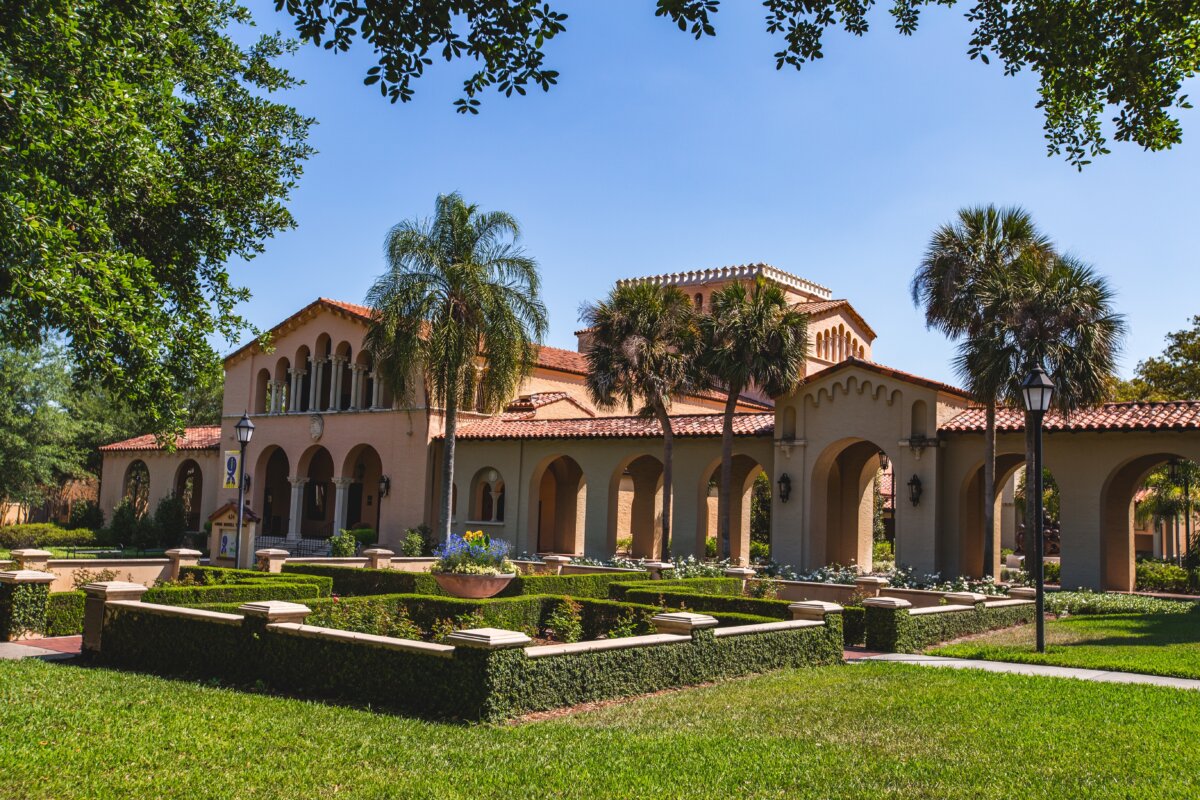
x: 472, y: 587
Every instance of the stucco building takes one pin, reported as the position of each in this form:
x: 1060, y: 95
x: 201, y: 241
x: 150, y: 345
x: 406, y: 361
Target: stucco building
x: 552, y: 473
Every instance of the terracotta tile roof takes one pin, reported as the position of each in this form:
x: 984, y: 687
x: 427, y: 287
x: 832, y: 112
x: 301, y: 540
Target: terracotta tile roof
x: 526, y: 406
x: 207, y: 437
x: 1180, y: 415
x: 888, y: 372
x: 363, y: 312
x: 684, y: 425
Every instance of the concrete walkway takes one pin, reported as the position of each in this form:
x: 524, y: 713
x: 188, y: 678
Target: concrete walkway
x: 54, y: 649
x: 1044, y: 670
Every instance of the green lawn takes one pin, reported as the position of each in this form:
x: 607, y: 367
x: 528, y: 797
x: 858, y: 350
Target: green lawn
x: 872, y: 730
x: 1157, y: 644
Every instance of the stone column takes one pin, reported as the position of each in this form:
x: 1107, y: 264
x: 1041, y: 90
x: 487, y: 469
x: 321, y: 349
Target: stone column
x: 335, y: 382
x: 270, y: 559
x: 314, y: 386
x: 182, y: 557
x: 355, y: 386
x: 296, y: 509
x: 376, y: 390
x: 30, y: 586
x: 98, y: 595
x: 275, y: 396
x: 341, y: 500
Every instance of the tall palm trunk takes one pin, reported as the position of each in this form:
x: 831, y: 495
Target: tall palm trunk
x: 989, y: 489
x: 724, y: 490
x: 668, y: 444
x: 448, y: 463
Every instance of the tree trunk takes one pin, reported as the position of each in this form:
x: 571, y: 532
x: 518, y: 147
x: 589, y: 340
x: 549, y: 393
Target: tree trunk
x: 448, y: 464
x: 668, y: 444
x: 989, y: 490
x: 723, y: 488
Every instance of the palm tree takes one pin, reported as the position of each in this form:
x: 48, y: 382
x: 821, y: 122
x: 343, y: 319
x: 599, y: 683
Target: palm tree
x: 1056, y: 313
x: 980, y: 246
x: 641, y: 356
x: 457, y: 313
x: 749, y: 338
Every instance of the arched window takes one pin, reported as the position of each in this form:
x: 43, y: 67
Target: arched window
x: 487, y: 496
x: 699, y: 301
x: 136, y: 487
x: 919, y: 413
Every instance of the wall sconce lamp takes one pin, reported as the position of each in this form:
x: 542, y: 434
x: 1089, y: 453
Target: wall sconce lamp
x: 884, y: 461
x: 914, y: 490
x: 385, y: 485
x: 785, y: 488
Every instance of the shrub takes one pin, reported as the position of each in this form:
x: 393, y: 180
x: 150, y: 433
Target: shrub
x: 577, y: 586
x: 760, y: 551
x: 22, y: 609
x: 82, y: 577
x: 1052, y: 572
x: 1162, y: 576
x: 358, y: 582
x: 624, y: 544
x: 897, y: 631
x: 86, y: 515
x: 123, y: 528
x: 882, y: 551
x: 565, y: 623
x: 690, y: 567
x: 726, y: 586
x: 380, y: 618
x: 365, y: 535
x: 343, y: 545
x: 763, y: 589
x: 1088, y: 602
x: 44, y: 534
x: 474, y: 553
x: 710, y: 547
x: 413, y: 544
x: 64, y: 614
x: 696, y: 601
x: 170, y: 521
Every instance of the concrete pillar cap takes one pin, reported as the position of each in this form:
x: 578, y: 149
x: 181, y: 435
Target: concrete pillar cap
x: 740, y: 572
x: 682, y: 622
x: 272, y: 552
x: 183, y: 552
x: 487, y: 639
x: 871, y: 580
x: 115, y: 590
x: 814, y: 608
x: 964, y: 598
x: 26, y: 576
x: 378, y: 551
x: 1022, y: 593
x: 886, y: 602
x: 31, y: 552
x: 276, y: 610
x: 556, y: 559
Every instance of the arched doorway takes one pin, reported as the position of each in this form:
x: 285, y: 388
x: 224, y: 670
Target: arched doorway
x: 364, y: 468
x: 136, y: 486
x: 487, y: 497
x: 635, y: 504
x: 316, y: 521
x: 741, y: 501
x: 842, y: 511
x: 1009, y: 523
x: 189, y: 488
x: 273, y: 491
x: 558, y: 498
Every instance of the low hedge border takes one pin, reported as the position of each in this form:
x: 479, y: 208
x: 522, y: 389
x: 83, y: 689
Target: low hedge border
x: 709, y: 586
x: 896, y: 631
x: 223, y: 576
x: 64, y: 614
x: 698, y: 601
x: 22, y: 609
x: 44, y: 534
x: 472, y: 684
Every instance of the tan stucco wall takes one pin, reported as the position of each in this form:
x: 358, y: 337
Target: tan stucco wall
x: 164, y: 470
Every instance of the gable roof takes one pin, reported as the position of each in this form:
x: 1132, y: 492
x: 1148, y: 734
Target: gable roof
x: 340, y: 307
x: 204, y: 437
x: 527, y: 405
x: 683, y: 425
x: 822, y: 307
x: 887, y: 372
x: 1174, y: 415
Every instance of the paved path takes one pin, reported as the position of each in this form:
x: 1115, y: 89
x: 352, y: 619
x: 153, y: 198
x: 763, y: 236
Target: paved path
x: 1103, y: 676
x: 53, y: 649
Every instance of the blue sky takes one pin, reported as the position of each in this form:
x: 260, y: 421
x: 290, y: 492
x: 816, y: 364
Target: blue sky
x: 658, y: 153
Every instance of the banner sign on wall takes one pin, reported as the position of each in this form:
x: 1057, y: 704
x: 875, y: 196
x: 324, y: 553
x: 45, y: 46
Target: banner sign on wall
x: 231, y: 469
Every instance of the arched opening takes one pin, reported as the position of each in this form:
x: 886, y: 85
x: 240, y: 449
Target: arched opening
x: 741, y: 509
x: 558, y: 497
x: 843, y: 517
x: 362, y: 393
x: 635, y: 507
x: 364, y: 468
x: 487, y: 497
x: 698, y: 300
x: 322, y: 367
x: 1156, y: 483
x: 317, y: 512
x: 282, y: 393
x: 919, y: 422
x: 136, y: 486
x: 189, y: 488
x: 273, y: 491
x: 303, y: 382
x: 344, y: 375
x: 1008, y: 518
x: 262, y: 392
x: 788, y: 434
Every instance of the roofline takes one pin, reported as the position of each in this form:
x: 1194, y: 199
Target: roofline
x: 1065, y: 418
x: 735, y: 272
x: 858, y: 318
x: 889, y: 372
x: 677, y: 434
x: 321, y: 302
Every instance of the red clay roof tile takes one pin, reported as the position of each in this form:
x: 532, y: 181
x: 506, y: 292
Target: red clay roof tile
x: 684, y: 425
x: 206, y: 437
x: 1173, y: 415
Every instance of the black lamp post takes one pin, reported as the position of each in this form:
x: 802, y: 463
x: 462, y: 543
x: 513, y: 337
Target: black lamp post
x: 1037, y: 390
x: 245, y: 432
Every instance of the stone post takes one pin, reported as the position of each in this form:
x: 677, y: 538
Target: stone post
x: 341, y: 500
x: 683, y: 623
x: 296, y: 509
x: 378, y: 557
x: 965, y: 599
x: 870, y: 586
x: 23, y: 595
x: 487, y: 639
x: 815, y: 610
x: 98, y: 595
x: 555, y: 564
x: 744, y: 573
x: 1022, y: 593
x: 181, y: 557
x: 888, y: 624
x: 657, y: 568
x: 270, y: 559
x: 31, y: 559
x: 269, y: 612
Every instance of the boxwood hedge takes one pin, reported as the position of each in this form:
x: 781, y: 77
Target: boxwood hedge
x: 896, y: 631
x: 64, y: 614
x: 22, y: 609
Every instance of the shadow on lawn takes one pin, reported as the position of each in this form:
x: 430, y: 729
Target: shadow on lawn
x: 1144, y: 630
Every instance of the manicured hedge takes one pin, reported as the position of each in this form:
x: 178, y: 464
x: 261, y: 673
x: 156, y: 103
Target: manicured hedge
x: 854, y: 624
x: 896, y: 631
x: 697, y: 601
x: 247, y: 592
x: 44, y: 534
x: 596, y: 586
x: 64, y: 614
x: 22, y: 609
x: 220, y: 576
x: 723, y: 586
x: 472, y: 684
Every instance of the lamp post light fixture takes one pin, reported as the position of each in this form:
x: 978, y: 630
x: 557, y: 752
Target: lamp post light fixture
x: 785, y: 487
x: 1037, y: 390
x: 914, y: 490
x: 245, y: 432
